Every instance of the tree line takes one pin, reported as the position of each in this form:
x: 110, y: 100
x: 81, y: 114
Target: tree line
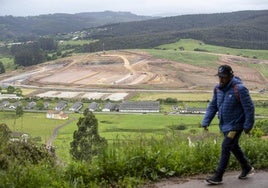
x: 33, y: 52
x: 245, y: 29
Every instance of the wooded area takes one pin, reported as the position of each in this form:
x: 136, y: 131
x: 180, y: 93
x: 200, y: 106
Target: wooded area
x: 246, y: 29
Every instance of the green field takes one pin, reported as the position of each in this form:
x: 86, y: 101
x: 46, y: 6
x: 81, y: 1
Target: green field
x: 189, y: 57
x: 111, y: 126
x: 36, y: 124
x: 207, y: 55
x: 130, y: 126
x: 191, y: 45
x: 8, y: 63
x: 75, y: 42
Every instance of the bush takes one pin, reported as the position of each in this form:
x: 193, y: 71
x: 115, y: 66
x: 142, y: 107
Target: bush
x: 20, y: 152
x: 263, y: 125
x: 130, y: 162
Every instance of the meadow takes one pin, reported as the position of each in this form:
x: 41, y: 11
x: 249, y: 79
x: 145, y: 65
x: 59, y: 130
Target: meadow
x: 127, y: 127
x: 111, y: 126
x: 192, y: 45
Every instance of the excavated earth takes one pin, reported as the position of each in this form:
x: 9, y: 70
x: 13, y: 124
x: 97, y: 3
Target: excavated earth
x: 132, y: 70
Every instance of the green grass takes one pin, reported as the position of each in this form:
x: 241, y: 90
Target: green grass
x: 191, y: 44
x: 189, y: 57
x: 36, y: 124
x: 262, y: 68
x: 179, y: 96
x: 208, y: 55
x: 8, y: 63
x: 75, y: 42
x: 129, y: 127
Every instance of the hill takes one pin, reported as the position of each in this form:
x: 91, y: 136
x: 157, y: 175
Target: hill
x: 243, y: 29
x: 124, y: 30
x: 51, y: 24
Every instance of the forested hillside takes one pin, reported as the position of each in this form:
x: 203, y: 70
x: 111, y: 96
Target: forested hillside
x: 51, y: 24
x: 245, y: 29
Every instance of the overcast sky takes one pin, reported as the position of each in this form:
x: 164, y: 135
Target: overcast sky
x: 140, y: 7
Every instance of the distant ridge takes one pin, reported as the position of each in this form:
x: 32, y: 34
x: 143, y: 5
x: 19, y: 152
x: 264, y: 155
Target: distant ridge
x: 243, y: 29
x: 124, y: 30
x: 50, y: 24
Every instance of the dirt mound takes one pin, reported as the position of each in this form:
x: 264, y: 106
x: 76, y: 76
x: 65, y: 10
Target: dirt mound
x: 133, y: 69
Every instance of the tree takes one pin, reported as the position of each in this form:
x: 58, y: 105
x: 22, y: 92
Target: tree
x: 4, y: 134
x: 4, y: 140
x: 19, y: 113
x: 86, y: 140
x: 18, y: 91
x: 20, y: 153
x: 2, y: 68
x: 27, y: 54
x: 40, y: 105
x: 10, y: 89
x: 47, y: 44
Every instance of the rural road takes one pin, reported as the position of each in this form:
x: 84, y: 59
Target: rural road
x: 230, y: 180
x: 55, y: 131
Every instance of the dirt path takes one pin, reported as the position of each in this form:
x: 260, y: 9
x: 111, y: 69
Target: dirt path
x: 134, y: 76
x: 126, y: 62
x: 55, y: 132
x: 230, y: 180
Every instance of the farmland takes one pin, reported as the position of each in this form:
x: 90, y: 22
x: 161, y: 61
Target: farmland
x: 111, y: 126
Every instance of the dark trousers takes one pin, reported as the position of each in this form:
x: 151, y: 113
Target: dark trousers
x: 231, y: 144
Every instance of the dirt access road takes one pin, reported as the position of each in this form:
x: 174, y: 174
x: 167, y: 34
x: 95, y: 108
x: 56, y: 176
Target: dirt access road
x: 230, y: 180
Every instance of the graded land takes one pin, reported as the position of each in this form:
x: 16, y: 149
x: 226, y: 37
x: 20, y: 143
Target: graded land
x: 122, y: 73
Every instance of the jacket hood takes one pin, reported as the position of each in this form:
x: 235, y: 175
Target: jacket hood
x: 235, y: 80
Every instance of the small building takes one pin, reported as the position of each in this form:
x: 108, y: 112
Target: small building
x: 54, y: 114
x: 193, y: 110
x: 15, y: 105
x: 9, y: 96
x: 19, y: 137
x: 60, y: 106
x: 31, y: 105
x: 108, y: 107
x: 46, y: 105
x: 4, y: 104
x: 76, y: 107
x: 93, y: 106
x: 140, y: 106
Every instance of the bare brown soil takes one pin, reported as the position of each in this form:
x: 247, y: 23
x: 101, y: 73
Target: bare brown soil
x: 133, y: 69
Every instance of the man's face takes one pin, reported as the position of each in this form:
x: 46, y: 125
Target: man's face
x: 223, y: 81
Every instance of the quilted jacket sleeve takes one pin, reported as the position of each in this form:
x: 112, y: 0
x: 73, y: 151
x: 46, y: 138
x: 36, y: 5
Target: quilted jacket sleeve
x: 211, y: 110
x: 248, y: 107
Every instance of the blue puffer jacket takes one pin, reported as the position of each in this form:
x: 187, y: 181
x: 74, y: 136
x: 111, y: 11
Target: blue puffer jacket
x: 235, y: 108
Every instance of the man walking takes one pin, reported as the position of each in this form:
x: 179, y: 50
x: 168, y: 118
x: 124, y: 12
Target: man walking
x: 235, y: 109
